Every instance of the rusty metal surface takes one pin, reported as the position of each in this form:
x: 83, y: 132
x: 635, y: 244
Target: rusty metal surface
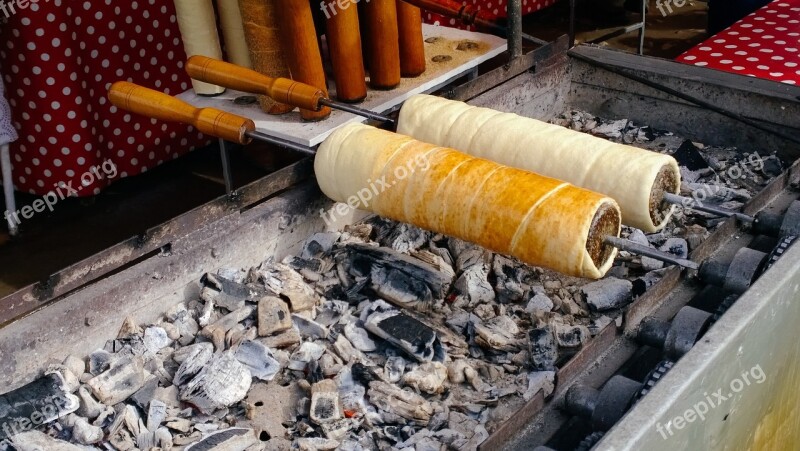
x: 83, y: 273
x: 652, y: 300
x: 514, y: 424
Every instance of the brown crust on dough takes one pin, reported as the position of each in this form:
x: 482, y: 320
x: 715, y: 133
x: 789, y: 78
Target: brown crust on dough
x: 606, y: 222
x: 262, y: 33
x: 665, y: 183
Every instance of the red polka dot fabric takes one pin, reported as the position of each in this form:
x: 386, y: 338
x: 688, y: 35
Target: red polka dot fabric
x: 765, y: 44
x: 493, y: 9
x: 58, y: 59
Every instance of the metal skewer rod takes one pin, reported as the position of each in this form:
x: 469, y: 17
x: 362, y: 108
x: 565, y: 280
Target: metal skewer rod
x: 259, y: 136
x: 694, y: 205
x: 355, y: 110
x: 281, y: 90
x: 211, y: 121
x: 636, y: 248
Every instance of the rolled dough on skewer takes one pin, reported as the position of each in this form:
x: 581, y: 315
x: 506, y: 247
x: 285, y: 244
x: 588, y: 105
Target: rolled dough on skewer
x: 198, y: 25
x: 635, y: 178
x: 262, y: 33
x: 540, y: 220
x: 230, y: 19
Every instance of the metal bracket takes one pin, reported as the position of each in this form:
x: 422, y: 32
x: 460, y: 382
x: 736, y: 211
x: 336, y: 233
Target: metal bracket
x: 8, y: 187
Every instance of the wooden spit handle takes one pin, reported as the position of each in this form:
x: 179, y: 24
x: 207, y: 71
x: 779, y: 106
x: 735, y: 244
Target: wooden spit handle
x: 412, y: 46
x: 231, y: 76
x: 211, y: 121
x: 301, y: 49
x: 344, y: 46
x: 383, y: 44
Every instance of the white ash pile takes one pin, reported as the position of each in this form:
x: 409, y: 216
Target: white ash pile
x: 381, y: 337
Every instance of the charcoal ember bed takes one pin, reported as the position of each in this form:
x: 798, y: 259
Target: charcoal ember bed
x: 381, y: 336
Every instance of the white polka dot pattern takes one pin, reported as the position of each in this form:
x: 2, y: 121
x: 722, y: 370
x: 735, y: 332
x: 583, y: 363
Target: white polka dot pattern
x: 59, y: 58
x: 765, y: 44
x: 491, y: 9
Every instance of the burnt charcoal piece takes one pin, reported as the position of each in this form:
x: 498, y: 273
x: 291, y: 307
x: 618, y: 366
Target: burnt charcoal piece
x: 543, y: 349
x: 124, y: 378
x: 326, y: 406
x: 229, y: 294
x: 233, y: 438
x: 397, y: 277
x: 259, y: 359
x: 405, y: 332
x: 607, y: 294
x: 689, y: 155
x: 364, y: 374
x: 42, y: 401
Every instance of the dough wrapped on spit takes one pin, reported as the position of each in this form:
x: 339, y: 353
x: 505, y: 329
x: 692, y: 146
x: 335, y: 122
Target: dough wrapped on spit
x: 540, y: 220
x: 635, y: 178
x: 262, y: 33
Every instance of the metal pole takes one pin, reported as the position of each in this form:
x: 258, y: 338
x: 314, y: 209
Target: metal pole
x: 644, y: 25
x: 636, y: 248
x: 282, y: 142
x: 8, y: 187
x: 514, y: 11
x: 226, y: 166
x: 691, y: 203
x: 572, y: 6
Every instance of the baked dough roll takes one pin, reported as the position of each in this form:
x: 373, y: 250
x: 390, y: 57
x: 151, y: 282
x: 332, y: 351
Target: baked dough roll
x: 198, y: 25
x: 540, y: 220
x: 637, y: 179
x: 230, y: 19
x: 261, y: 31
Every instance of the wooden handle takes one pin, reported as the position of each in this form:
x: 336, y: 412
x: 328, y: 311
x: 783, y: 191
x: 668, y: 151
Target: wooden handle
x: 282, y: 90
x: 211, y: 121
x: 412, y: 46
x: 383, y: 44
x: 344, y: 45
x: 299, y: 40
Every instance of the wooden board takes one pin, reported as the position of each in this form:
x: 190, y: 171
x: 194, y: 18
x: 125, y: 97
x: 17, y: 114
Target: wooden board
x: 438, y: 74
